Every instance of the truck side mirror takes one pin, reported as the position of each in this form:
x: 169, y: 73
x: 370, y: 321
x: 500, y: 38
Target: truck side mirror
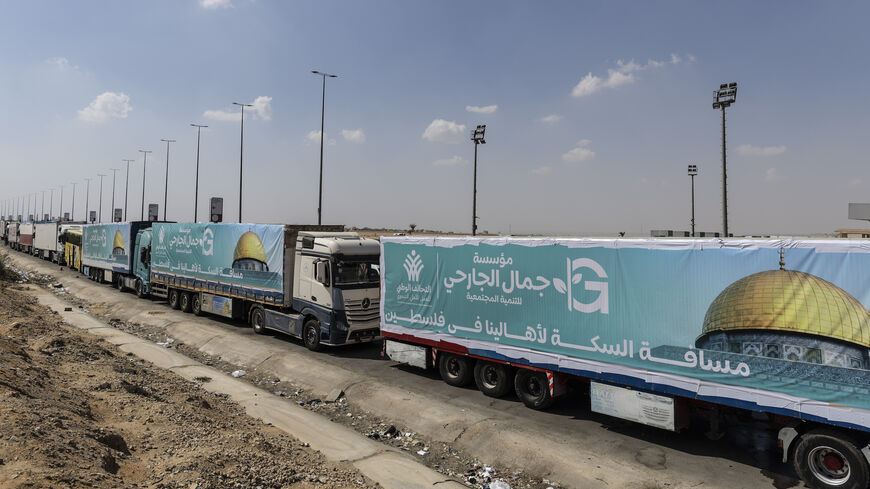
x: 321, y: 272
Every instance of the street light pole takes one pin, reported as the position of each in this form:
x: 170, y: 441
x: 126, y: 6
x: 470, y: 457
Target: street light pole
x: 42, y: 210
x: 241, y: 154
x: 126, y: 187
x: 724, y: 97
x: 477, y: 135
x: 322, y: 120
x: 693, y: 170
x: 166, y: 185
x: 196, y: 185
x: 144, y: 163
x: 61, y: 202
x: 87, y: 199
x: 72, y: 212
x: 114, y: 172
x: 100, y: 209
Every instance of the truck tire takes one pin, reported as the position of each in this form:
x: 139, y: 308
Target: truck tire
x: 140, y: 289
x: 258, y: 320
x: 196, y: 304
x: 533, y: 389
x: 455, y: 370
x: 184, y: 302
x: 826, y: 459
x: 311, y: 335
x: 493, y: 379
x: 119, y: 283
x: 174, y: 299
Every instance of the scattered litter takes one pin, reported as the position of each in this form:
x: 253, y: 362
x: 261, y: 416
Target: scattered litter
x: 237, y: 373
x: 424, y: 452
x: 280, y: 393
x: 67, y: 309
x: 170, y: 341
x: 499, y: 484
x: 334, y: 395
x: 57, y: 286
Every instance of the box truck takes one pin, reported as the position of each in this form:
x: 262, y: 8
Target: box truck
x: 24, y: 242
x: 45, y: 240
x: 317, y: 283
x: 656, y: 330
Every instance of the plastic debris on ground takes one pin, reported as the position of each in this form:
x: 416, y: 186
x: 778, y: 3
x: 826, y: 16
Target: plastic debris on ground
x: 238, y: 373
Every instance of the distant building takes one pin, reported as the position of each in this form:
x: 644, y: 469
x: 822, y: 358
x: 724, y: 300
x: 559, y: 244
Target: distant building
x: 670, y: 233
x: 852, y: 233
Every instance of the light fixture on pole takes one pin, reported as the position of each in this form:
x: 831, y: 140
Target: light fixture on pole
x: 477, y: 135
x: 196, y: 185
x: 166, y: 185
x: 127, y: 187
x: 144, y: 163
x: 241, y: 154
x: 724, y: 97
x: 324, y: 76
x: 693, y: 170
x: 100, y: 209
x: 61, y: 203
x: 114, y: 172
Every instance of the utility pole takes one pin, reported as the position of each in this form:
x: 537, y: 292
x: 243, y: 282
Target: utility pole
x: 114, y: 172
x: 477, y: 135
x: 724, y: 96
x: 693, y: 170
x: 196, y: 185
x: 241, y: 154
x: 322, y: 117
x: 166, y: 185
x: 144, y: 163
x: 87, y: 199
x: 72, y: 213
x: 100, y: 210
x: 126, y: 187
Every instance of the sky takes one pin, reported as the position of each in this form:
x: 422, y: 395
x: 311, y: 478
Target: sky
x: 593, y: 111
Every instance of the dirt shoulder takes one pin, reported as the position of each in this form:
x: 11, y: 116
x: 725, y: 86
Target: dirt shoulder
x: 77, y: 412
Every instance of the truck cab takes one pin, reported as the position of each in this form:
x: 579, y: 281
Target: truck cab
x: 337, y: 286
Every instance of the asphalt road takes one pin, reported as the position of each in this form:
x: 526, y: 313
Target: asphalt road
x: 567, y: 443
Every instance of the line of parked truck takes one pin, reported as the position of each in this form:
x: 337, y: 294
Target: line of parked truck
x: 663, y: 332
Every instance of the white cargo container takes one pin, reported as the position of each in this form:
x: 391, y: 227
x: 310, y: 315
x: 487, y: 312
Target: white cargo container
x: 45, y: 240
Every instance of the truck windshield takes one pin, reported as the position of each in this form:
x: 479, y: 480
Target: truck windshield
x: 357, y: 272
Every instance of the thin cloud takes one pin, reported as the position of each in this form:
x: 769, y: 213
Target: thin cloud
x: 550, y: 119
x: 750, y: 150
x: 354, y: 135
x: 262, y: 109
x: 489, y: 109
x: 623, y: 74
x: 314, y: 137
x: 542, y: 170
x: 455, y: 160
x: 579, y: 154
x: 772, y: 175
x: 215, y: 4
x: 61, y: 64
x: 441, y: 131
x: 107, y: 105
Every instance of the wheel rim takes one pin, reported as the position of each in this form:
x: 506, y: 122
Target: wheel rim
x: 454, y: 367
x: 196, y: 304
x: 258, y: 320
x: 828, y: 465
x: 311, y: 335
x: 490, y: 377
x: 534, y: 386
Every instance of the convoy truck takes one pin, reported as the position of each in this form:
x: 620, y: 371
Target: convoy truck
x: 657, y: 331
x: 45, y: 240
x: 24, y: 242
x: 108, y: 251
x: 3, y: 230
x: 317, y: 283
x: 12, y: 234
x: 69, y: 246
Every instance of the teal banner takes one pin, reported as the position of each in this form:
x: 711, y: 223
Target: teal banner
x: 107, y: 246
x: 250, y: 256
x: 746, y: 319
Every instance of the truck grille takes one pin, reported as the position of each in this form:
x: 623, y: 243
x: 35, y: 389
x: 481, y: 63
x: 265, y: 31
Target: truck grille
x: 356, y: 313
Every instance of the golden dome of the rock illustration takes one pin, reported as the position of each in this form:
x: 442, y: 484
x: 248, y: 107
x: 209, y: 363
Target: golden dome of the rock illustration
x: 119, y: 241
x: 249, y: 247
x: 790, y: 302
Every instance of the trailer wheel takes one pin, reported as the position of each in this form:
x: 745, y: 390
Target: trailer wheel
x: 173, y: 299
x: 184, y: 302
x: 825, y: 459
x: 258, y: 320
x: 196, y: 304
x: 455, y: 370
x: 493, y: 379
x: 311, y: 335
x: 533, y: 389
